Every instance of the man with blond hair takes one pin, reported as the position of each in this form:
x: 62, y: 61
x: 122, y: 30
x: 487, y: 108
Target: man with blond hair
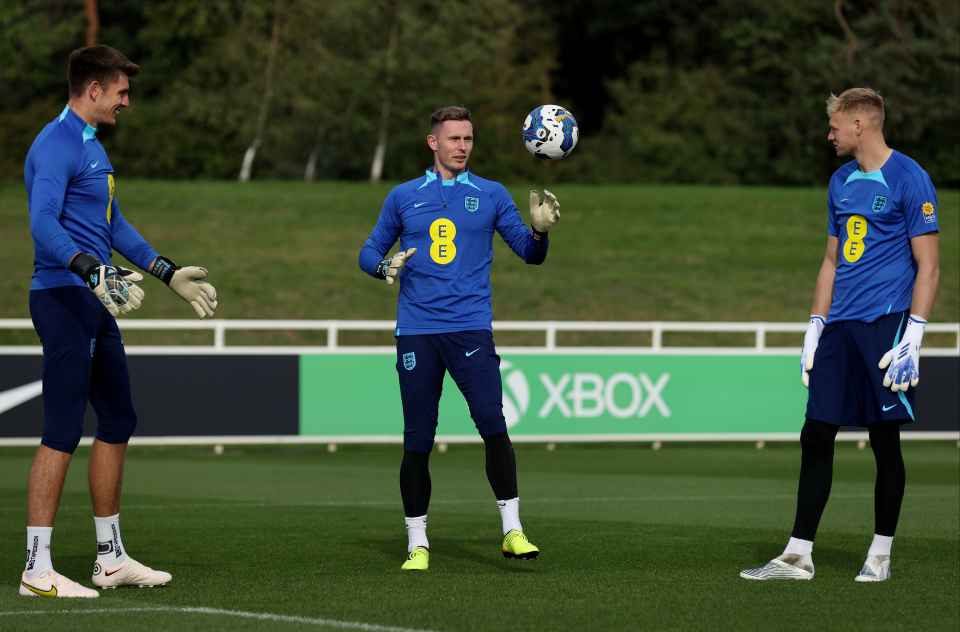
x: 860, y: 360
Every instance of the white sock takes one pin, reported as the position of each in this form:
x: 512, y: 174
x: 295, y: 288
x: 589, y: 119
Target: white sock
x: 796, y: 546
x: 417, y: 532
x: 510, y: 514
x: 38, y: 550
x: 110, y: 551
x: 881, y: 545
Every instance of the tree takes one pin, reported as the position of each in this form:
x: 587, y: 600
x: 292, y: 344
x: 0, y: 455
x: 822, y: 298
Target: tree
x: 251, y: 152
x: 386, y: 96
x: 37, y: 37
x: 93, y: 22
x: 734, y: 91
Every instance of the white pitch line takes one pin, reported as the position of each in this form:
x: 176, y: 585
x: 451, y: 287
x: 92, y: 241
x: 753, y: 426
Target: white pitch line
x: 261, y: 616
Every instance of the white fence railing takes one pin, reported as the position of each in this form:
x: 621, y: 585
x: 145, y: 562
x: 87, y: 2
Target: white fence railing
x: 549, y: 329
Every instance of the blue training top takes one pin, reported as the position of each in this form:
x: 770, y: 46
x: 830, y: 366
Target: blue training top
x: 71, y: 195
x: 445, y: 286
x: 874, y: 215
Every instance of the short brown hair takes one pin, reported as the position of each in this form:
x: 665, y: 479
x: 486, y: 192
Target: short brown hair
x: 449, y: 113
x: 96, y: 63
x: 857, y: 99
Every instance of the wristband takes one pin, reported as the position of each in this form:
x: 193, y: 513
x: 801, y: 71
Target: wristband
x: 163, y: 269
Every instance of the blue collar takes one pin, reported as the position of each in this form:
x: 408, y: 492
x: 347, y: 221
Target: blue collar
x: 463, y: 178
x: 89, y: 131
x: 876, y: 176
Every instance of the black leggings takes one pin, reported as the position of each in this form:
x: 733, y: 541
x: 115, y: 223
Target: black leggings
x: 415, y: 484
x: 816, y: 476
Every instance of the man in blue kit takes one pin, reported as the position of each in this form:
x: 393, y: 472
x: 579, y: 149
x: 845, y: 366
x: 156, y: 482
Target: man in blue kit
x: 444, y: 314
x: 75, y: 294
x: 860, y: 360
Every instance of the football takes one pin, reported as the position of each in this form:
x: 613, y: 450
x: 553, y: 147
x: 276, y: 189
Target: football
x: 550, y: 132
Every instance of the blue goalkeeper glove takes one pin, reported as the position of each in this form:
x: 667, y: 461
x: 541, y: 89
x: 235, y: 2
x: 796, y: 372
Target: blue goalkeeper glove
x: 903, y: 361
x: 112, y: 285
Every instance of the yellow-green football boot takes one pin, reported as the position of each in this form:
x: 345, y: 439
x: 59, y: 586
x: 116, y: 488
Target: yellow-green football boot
x: 418, y: 560
x: 517, y: 546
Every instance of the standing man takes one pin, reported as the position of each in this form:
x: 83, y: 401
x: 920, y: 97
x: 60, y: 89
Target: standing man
x: 874, y: 293
x: 444, y: 314
x: 76, y: 293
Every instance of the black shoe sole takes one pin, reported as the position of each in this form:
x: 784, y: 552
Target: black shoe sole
x: 525, y: 556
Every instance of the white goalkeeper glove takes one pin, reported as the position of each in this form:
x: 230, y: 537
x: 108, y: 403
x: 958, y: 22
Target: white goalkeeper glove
x: 903, y: 361
x: 389, y: 269
x: 113, y: 286
x: 189, y: 283
x: 811, y: 339
x: 544, y: 214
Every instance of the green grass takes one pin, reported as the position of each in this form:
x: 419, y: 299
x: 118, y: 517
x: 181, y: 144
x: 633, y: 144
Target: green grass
x: 289, y: 250
x: 631, y: 538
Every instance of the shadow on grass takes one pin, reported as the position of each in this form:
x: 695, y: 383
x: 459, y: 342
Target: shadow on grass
x: 454, y: 549
x: 490, y: 556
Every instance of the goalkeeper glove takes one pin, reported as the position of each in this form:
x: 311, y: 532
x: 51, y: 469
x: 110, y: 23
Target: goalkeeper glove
x: 113, y: 286
x: 811, y: 340
x: 389, y: 269
x: 188, y: 283
x: 543, y: 215
x: 903, y: 361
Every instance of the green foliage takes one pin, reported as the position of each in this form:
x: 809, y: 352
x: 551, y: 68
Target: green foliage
x: 719, y: 92
x: 198, y: 111
x: 910, y: 53
x: 37, y: 37
x: 735, y: 94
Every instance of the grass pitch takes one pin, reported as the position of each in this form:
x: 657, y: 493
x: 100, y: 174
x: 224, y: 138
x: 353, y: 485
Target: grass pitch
x: 627, y: 252
x: 632, y: 539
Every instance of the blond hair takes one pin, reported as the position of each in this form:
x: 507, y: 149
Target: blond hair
x: 857, y: 100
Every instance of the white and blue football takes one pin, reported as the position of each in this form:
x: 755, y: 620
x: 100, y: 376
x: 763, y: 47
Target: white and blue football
x: 550, y: 132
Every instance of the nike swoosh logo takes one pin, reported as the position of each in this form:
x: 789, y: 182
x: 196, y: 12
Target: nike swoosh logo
x: 109, y: 573
x: 890, y: 407
x: 93, y: 165
x: 16, y: 396
x: 50, y: 592
x: 470, y: 353
x: 844, y: 200
x: 418, y: 204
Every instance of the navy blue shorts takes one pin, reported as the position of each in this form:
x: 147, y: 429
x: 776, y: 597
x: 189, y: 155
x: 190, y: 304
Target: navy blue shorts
x: 83, y: 360
x: 473, y: 363
x: 846, y: 385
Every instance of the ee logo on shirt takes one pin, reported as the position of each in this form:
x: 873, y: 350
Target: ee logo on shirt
x: 111, y: 191
x: 854, y: 247
x: 442, y: 248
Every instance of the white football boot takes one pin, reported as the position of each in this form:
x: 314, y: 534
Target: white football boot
x: 130, y: 573
x: 875, y: 569
x: 797, y: 567
x: 53, y: 585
